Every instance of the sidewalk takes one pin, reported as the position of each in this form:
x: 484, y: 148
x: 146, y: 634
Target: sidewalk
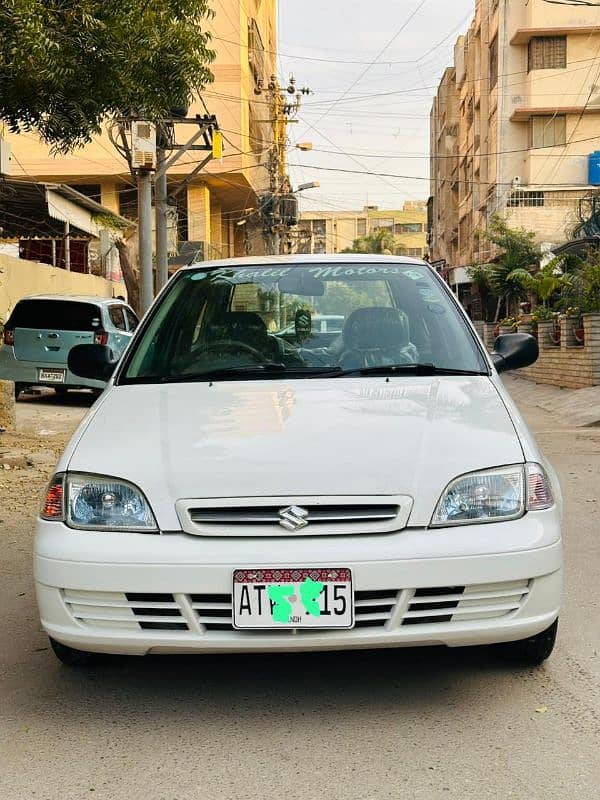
x: 576, y: 407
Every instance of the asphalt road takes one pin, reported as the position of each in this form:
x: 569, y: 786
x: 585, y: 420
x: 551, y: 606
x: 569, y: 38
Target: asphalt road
x: 417, y: 724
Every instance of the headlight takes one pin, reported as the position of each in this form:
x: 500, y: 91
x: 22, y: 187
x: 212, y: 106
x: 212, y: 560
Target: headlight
x: 95, y: 502
x: 494, y: 495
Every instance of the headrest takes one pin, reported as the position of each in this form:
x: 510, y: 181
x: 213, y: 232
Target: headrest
x: 376, y: 328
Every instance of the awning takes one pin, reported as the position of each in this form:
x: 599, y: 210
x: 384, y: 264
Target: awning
x: 40, y: 210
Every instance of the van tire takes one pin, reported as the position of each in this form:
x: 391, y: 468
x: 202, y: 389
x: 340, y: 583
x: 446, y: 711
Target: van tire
x: 71, y: 657
x: 19, y: 387
x: 532, y: 651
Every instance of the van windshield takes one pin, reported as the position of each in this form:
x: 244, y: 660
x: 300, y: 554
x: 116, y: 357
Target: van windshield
x: 302, y: 321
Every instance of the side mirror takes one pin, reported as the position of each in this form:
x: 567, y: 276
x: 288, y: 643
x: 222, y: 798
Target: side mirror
x: 93, y: 361
x: 514, y: 351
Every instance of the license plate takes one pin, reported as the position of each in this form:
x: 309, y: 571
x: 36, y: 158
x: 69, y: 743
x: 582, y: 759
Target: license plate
x: 52, y: 375
x: 293, y: 598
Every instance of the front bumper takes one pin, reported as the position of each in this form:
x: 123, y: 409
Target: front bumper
x: 137, y: 594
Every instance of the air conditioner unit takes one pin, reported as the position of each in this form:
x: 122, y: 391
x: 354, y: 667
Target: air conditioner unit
x: 143, y: 145
x: 5, y: 158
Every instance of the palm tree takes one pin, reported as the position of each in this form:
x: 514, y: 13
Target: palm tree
x: 382, y: 242
x: 520, y: 254
x: 545, y: 283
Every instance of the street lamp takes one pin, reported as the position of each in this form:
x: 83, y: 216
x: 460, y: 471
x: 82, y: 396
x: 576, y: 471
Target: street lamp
x: 312, y: 185
x: 304, y: 146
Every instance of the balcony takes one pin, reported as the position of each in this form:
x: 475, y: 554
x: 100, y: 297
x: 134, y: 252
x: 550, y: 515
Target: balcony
x: 523, y: 35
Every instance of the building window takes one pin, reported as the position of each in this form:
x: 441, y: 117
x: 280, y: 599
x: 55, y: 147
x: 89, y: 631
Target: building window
x: 377, y: 224
x: 412, y: 252
x: 548, y: 131
x: 408, y: 227
x: 524, y: 198
x: 256, y: 52
x: 361, y: 227
x: 493, y: 62
x: 91, y: 190
x: 319, y: 227
x: 547, y: 52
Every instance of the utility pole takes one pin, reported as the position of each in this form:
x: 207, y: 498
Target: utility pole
x: 161, y: 222
x: 144, y: 184
x: 145, y: 145
x: 280, y: 206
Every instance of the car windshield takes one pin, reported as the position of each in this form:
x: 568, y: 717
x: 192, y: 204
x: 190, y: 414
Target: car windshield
x: 302, y: 321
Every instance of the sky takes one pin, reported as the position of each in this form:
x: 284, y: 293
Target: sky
x: 372, y: 115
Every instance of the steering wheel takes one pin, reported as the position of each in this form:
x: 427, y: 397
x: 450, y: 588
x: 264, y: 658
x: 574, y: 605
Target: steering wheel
x: 232, y: 345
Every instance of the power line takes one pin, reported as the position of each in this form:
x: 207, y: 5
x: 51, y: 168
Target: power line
x: 424, y: 178
x: 351, y: 61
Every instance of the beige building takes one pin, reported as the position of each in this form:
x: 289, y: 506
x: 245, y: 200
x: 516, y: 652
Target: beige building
x: 335, y: 231
x: 245, y: 39
x: 513, y: 123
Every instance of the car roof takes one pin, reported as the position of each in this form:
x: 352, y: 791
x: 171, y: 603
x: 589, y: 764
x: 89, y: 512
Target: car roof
x: 75, y: 298
x: 300, y: 260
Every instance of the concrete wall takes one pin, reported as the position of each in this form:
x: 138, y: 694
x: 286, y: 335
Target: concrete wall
x: 20, y: 278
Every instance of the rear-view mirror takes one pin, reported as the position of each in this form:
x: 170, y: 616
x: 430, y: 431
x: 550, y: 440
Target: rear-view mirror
x: 514, y: 351
x: 301, y: 284
x: 93, y: 361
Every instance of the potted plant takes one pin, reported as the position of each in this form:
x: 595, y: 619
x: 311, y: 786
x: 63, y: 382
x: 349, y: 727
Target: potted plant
x: 543, y: 322
x: 507, y: 325
x: 573, y: 315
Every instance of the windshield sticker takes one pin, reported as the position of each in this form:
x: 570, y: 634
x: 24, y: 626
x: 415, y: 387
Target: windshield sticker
x: 244, y: 274
x: 198, y: 276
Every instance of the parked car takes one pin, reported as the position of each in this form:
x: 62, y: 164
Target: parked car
x: 41, y: 331
x: 235, y: 491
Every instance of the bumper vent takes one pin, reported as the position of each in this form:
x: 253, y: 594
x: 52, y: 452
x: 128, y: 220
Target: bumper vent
x: 460, y: 603
x: 132, y: 610
x: 382, y: 609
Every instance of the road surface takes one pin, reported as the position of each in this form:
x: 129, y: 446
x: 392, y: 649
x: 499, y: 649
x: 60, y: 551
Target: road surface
x: 415, y: 724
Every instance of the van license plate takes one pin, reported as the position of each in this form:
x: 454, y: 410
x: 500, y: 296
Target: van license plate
x: 293, y: 598
x: 52, y: 375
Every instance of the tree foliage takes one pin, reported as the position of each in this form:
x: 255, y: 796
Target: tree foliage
x: 65, y: 65
x: 504, y: 276
x: 382, y: 241
x: 549, y: 280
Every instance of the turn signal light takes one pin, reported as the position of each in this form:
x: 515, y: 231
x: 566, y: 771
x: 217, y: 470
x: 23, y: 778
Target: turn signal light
x: 101, y: 337
x: 9, y: 336
x: 53, y: 506
x: 538, y: 488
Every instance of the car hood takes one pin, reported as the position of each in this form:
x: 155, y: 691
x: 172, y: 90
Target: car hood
x: 343, y: 436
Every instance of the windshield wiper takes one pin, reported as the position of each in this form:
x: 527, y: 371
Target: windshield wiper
x: 410, y: 369
x: 249, y: 370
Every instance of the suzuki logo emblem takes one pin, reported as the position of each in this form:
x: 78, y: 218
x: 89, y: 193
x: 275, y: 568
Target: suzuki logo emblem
x: 293, y: 518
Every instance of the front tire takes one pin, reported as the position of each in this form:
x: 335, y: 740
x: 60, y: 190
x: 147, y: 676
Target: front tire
x: 532, y: 651
x: 19, y: 387
x: 71, y: 657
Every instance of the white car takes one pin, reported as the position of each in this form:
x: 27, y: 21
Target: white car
x: 234, y: 491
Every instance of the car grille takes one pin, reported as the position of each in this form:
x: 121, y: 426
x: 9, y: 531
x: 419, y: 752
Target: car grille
x: 270, y: 514
x: 297, y: 516
x: 383, y: 609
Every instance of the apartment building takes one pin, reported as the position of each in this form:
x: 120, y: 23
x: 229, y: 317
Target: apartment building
x: 335, y: 231
x: 513, y: 123
x: 245, y: 39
